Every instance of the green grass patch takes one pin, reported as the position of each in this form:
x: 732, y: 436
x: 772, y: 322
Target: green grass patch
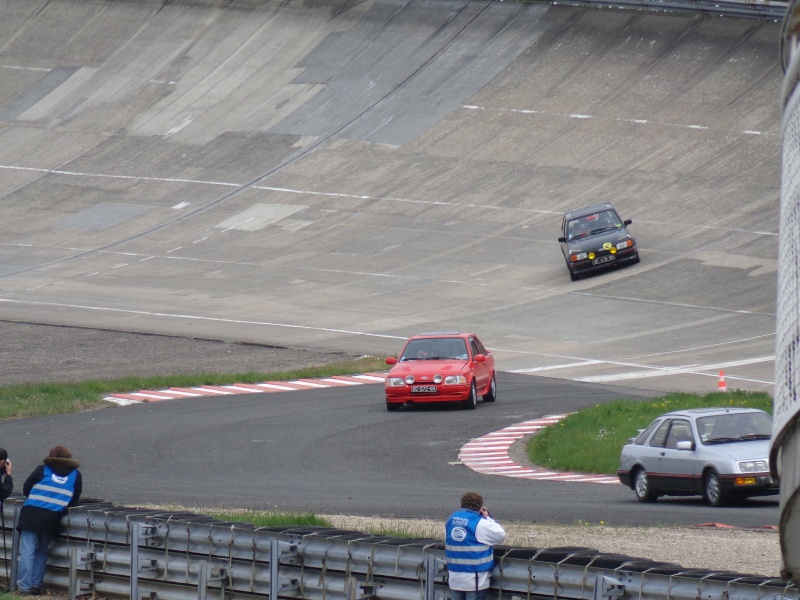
x: 271, y: 519
x: 590, y: 440
x: 402, y: 528
x: 42, y: 399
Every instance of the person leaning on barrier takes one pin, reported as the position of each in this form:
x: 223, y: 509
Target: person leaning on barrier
x: 50, y: 490
x: 6, y: 481
x: 470, y: 534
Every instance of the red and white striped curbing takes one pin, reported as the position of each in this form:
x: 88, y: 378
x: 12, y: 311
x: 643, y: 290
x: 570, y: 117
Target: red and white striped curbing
x: 176, y: 393
x: 488, y: 454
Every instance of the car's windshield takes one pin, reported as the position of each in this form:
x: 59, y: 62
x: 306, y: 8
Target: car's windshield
x: 734, y: 427
x: 435, y: 349
x: 599, y: 222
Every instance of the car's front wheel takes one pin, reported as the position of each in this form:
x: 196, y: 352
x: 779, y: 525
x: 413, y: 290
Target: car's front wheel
x: 642, y: 487
x: 491, y: 395
x: 392, y: 406
x: 573, y: 276
x: 712, y: 491
x: 472, y: 401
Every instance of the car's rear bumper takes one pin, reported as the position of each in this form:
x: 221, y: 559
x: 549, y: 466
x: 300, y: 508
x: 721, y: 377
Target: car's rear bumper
x: 624, y: 477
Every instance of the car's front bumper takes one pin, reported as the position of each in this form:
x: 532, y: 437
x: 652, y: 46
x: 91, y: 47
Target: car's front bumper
x: 402, y: 395
x: 748, y: 484
x: 621, y: 257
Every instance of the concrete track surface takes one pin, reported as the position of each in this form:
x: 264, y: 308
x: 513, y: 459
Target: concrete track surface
x: 339, y: 175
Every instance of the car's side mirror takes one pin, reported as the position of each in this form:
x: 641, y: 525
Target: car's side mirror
x: 627, y: 222
x: 562, y: 239
x: 480, y: 358
x: 685, y: 445
x: 391, y: 360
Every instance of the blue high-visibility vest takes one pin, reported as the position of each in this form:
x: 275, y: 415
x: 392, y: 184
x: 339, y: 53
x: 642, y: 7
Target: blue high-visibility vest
x: 465, y: 554
x: 53, y: 492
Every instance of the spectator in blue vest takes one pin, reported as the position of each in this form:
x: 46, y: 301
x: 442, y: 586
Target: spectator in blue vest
x: 6, y: 481
x: 50, y: 490
x: 470, y: 534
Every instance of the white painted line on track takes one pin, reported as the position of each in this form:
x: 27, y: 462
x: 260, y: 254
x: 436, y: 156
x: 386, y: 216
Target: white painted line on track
x: 584, y: 363
x: 209, y: 319
x: 374, y: 378
x: 341, y: 381
x: 527, y: 111
x: 648, y: 371
x: 284, y: 388
x: 309, y: 384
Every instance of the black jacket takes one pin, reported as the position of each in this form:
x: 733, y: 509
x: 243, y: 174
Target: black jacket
x: 6, y: 484
x: 41, y: 520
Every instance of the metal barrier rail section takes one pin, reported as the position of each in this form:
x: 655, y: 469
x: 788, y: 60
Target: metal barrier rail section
x: 123, y: 552
x: 764, y: 10
x: 785, y: 449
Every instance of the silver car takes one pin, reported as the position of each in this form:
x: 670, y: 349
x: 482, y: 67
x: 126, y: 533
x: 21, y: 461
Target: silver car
x: 719, y: 453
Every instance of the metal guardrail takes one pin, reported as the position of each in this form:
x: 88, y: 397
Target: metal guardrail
x: 123, y: 552
x: 765, y: 10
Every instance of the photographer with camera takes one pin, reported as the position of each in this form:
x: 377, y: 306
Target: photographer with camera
x: 6, y: 481
x: 50, y: 490
x: 470, y: 535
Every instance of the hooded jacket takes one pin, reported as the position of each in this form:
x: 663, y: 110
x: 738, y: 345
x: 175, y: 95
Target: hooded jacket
x: 43, y: 520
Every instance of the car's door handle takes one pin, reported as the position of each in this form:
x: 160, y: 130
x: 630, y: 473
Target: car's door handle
x: 663, y: 453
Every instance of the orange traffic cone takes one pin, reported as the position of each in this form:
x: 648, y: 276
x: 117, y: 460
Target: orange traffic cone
x: 722, y: 386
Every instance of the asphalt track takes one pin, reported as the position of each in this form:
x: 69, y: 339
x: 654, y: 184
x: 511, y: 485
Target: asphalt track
x: 336, y: 176
x: 255, y: 451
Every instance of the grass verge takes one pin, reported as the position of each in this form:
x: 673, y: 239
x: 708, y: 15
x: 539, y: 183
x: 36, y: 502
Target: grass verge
x: 36, y: 400
x: 590, y: 440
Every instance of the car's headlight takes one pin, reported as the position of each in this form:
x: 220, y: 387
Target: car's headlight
x: 409, y: 379
x: 395, y: 382
x: 578, y: 256
x: 753, y: 466
x: 455, y: 380
x: 624, y: 244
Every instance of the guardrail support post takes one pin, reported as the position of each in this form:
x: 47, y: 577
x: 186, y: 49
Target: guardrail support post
x: 12, y: 585
x: 79, y: 556
x: 431, y: 570
x: 206, y: 575
x: 274, y: 563
x: 606, y: 587
x: 137, y: 535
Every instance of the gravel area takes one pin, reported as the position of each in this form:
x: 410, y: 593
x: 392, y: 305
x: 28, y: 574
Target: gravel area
x: 36, y: 353
x: 33, y: 353
x: 746, y: 551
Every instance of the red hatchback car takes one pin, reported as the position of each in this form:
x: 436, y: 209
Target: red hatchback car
x: 441, y: 367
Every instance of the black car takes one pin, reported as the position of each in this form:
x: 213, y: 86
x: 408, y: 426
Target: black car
x: 595, y: 238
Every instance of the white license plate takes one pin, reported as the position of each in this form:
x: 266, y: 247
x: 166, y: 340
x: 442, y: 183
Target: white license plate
x: 423, y: 389
x: 603, y: 259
